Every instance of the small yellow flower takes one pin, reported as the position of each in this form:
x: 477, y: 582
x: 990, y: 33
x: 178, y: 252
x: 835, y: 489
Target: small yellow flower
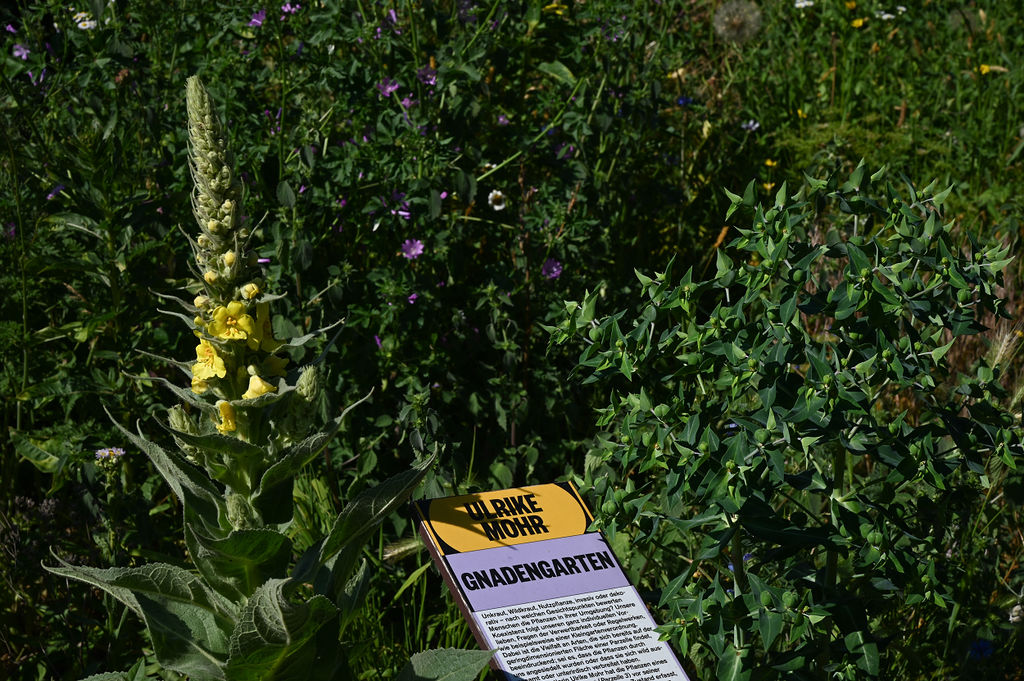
x: 232, y: 322
x: 770, y: 163
x: 556, y: 7
x: 984, y: 68
x: 768, y: 186
x: 208, y: 362
x: 857, y: 23
x: 199, y: 386
x: 800, y: 113
x: 262, y: 337
x: 250, y: 291
x: 227, y: 417
x: 274, y: 365
x: 851, y: 4
x: 257, y: 387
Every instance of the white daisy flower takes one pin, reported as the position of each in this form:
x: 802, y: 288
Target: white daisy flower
x: 496, y: 199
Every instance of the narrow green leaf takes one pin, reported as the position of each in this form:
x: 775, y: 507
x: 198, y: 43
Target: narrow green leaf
x: 557, y: 70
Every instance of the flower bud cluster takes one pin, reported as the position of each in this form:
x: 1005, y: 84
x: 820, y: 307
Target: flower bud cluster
x: 234, y: 358
x: 225, y: 265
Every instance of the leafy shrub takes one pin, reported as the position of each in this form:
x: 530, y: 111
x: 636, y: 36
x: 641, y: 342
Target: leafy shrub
x: 795, y: 468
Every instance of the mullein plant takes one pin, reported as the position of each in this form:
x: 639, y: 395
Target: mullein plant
x: 244, y: 430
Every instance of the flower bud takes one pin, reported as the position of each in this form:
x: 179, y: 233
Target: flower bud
x: 250, y: 291
x: 257, y: 387
x: 203, y: 241
x: 309, y: 385
x: 214, y: 226
x: 227, y: 417
x: 202, y: 302
x: 210, y: 276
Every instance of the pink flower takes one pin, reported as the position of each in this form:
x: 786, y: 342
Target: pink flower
x: 387, y: 86
x: 21, y: 52
x: 412, y: 298
x: 412, y: 249
x: 258, y: 18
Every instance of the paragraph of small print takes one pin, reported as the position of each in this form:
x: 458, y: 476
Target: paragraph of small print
x: 603, y: 635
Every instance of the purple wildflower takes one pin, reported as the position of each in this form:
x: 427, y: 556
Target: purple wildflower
x: 551, y: 269
x: 109, y: 454
x: 376, y: 339
x: 258, y: 18
x: 751, y: 125
x: 54, y: 192
x: 502, y: 119
x: 684, y: 101
x: 21, y: 52
x: 412, y: 298
x: 387, y: 86
x: 10, y: 29
x: 412, y: 249
x: 427, y: 76
x: 289, y: 8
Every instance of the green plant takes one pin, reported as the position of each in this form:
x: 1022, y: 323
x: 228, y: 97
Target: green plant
x: 794, y: 466
x: 242, y: 614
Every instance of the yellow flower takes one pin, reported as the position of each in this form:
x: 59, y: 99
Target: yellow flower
x: 857, y: 23
x: 770, y: 163
x: 257, y: 387
x: 231, y: 322
x: 274, y: 365
x: 227, y: 417
x: 851, y: 4
x: 208, y: 362
x: 768, y: 186
x: 229, y: 258
x: 262, y: 337
x: 210, y: 277
x: 199, y: 386
x: 250, y: 291
x: 800, y: 113
x: 984, y: 68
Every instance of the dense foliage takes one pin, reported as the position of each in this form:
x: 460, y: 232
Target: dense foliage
x: 442, y: 175
x: 789, y: 451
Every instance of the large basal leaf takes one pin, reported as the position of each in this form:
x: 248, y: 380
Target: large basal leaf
x: 446, y: 664
x: 358, y: 520
x: 273, y: 497
x: 188, y: 622
x: 236, y: 565
x: 275, y: 636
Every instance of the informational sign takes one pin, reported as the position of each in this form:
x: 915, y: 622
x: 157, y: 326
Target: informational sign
x: 549, y: 596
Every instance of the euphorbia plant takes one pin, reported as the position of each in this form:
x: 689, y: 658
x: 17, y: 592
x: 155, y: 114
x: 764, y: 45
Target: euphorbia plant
x: 244, y: 431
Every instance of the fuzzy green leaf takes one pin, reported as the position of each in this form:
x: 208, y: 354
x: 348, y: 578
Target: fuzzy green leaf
x: 188, y: 622
x: 275, y: 635
x: 238, y: 564
x: 446, y: 664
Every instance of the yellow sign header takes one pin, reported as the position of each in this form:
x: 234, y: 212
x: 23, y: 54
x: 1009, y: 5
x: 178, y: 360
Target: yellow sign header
x: 505, y: 517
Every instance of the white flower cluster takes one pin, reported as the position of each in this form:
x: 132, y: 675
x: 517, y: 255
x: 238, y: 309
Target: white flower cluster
x: 803, y: 4
x: 83, y: 20
x: 888, y: 16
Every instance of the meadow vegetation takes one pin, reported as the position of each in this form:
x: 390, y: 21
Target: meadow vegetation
x: 748, y: 275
